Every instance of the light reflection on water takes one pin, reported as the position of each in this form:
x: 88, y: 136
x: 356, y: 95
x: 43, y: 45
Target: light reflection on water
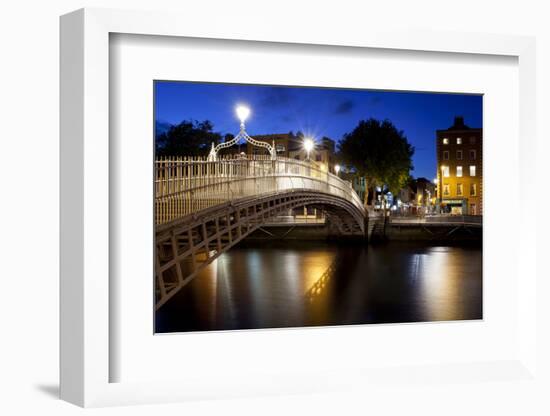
x: 317, y: 283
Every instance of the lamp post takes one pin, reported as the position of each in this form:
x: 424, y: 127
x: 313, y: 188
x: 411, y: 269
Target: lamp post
x: 242, y: 113
x: 337, y: 169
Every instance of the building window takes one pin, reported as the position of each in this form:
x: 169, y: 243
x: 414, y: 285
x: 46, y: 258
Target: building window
x: 318, y: 158
x: 459, y: 171
x: 445, y: 170
x: 459, y: 155
x: 459, y: 189
x: 473, y: 190
x: 445, y: 140
x: 472, y: 154
x: 472, y: 170
x: 297, y: 157
x: 472, y: 140
x: 445, y: 155
x: 446, y: 189
x: 459, y: 140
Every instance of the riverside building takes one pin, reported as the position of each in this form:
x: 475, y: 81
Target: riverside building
x: 460, y: 169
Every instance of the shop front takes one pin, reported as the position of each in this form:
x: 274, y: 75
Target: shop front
x: 454, y: 206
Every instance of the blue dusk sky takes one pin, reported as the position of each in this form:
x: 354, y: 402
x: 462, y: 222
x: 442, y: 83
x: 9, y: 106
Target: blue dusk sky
x: 319, y: 112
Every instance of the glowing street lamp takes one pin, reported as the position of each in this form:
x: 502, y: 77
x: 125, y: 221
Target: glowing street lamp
x: 308, y: 146
x: 242, y: 113
x: 337, y: 169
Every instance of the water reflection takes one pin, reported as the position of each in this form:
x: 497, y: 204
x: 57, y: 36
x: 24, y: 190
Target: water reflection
x: 316, y: 291
x: 319, y: 283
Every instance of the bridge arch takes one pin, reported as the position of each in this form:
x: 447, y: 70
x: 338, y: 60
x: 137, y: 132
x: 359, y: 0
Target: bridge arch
x: 204, y: 207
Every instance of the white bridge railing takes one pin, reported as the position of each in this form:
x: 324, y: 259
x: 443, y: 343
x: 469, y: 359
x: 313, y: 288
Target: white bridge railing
x: 185, y: 185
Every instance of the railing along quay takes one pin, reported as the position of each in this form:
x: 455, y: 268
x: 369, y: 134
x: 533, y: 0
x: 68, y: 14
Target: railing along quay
x: 470, y: 220
x: 185, y: 185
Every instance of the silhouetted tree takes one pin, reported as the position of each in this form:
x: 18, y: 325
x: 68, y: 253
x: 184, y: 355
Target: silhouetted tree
x: 228, y: 137
x: 188, y: 138
x: 379, y: 152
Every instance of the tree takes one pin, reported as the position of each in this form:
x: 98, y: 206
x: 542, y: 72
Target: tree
x: 228, y: 137
x: 379, y: 152
x: 188, y: 138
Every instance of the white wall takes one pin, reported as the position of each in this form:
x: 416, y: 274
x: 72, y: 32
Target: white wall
x: 29, y: 204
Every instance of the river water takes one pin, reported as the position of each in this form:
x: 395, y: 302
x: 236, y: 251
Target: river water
x: 319, y: 283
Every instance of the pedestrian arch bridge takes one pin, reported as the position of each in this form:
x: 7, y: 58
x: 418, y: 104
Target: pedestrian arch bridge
x: 203, y: 207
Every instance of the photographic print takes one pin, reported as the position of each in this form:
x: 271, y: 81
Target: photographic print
x: 290, y: 206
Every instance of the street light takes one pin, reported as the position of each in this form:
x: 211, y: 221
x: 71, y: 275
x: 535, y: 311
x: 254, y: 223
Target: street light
x: 337, y: 169
x: 242, y: 113
x: 308, y: 146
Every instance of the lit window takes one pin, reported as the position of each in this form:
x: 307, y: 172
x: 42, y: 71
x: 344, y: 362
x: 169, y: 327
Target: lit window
x: 472, y: 170
x: 459, y: 189
x: 472, y: 140
x: 445, y: 155
x: 472, y: 154
x: 445, y: 170
x: 446, y: 190
x: 445, y: 140
x: 459, y: 155
x: 473, y: 190
x: 459, y: 171
x: 459, y: 140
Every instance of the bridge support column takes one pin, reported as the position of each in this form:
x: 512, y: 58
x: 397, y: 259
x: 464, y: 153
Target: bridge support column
x: 175, y: 252
x: 218, y: 238
x: 238, y: 222
x: 229, y: 230
x: 192, y: 248
x: 205, y: 239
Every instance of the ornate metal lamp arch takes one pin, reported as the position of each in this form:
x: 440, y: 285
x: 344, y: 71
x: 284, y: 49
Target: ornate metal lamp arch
x: 213, y: 155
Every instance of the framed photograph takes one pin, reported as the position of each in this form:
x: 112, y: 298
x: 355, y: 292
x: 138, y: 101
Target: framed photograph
x: 283, y: 213
x: 325, y: 226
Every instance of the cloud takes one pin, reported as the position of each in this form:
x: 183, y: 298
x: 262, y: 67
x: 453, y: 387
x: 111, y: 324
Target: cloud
x: 376, y: 100
x: 344, y: 107
x: 276, y: 97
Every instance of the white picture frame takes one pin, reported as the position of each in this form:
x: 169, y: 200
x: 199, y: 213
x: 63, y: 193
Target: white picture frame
x: 85, y: 220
